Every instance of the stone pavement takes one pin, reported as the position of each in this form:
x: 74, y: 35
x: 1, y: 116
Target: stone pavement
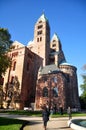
x: 53, y: 124
x: 36, y: 123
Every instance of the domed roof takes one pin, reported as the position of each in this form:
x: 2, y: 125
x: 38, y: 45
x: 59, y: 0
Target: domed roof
x: 66, y: 64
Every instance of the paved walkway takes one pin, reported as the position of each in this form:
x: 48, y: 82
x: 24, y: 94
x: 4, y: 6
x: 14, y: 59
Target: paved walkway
x: 53, y: 124
x: 36, y: 123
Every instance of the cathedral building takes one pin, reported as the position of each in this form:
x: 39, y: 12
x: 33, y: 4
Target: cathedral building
x: 40, y: 74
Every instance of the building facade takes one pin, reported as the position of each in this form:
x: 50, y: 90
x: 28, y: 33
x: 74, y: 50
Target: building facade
x: 42, y: 71
x: 19, y: 86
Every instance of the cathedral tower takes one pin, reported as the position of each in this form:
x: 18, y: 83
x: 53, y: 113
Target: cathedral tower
x: 42, y: 39
x: 56, y: 55
x: 42, y: 73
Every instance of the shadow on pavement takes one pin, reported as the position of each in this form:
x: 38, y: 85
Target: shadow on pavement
x: 34, y: 123
x: 63, y: 127
x: 58, y: 128
x: 29, y: 123
x: 26, y: 123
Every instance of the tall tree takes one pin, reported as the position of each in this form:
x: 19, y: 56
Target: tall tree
x: 83, y: 88
x: 5, y: 47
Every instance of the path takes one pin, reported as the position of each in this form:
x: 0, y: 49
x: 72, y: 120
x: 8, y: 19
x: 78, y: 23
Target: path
x: 53, y: 124
x: 36, y: 123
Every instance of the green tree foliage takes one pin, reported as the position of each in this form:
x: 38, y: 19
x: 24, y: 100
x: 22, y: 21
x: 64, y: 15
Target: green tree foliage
x: 5, y: 47
x: 83, y: 95
x: 83, y: 86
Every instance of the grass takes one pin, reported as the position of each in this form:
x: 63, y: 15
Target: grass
x: 74, y: 114
x: 39, y: 113
x: 22, y: 112
x: 11, y: 124
x: 15, y: 124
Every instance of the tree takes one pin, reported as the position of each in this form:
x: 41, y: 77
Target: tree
x: 83, y: 88
x: 12, y: 93
x: 5, y: 47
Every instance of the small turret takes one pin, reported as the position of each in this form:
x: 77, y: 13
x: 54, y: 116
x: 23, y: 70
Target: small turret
x: 56, y: 55
x: 55, y: 43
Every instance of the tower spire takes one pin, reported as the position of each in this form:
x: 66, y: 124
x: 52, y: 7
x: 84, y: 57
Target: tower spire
x: 43, y: 12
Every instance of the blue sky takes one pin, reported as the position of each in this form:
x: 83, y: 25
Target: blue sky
x: 67, y: 18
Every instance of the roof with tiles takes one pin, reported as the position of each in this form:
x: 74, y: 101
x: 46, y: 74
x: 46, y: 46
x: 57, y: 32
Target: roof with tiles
x: 49, y: 69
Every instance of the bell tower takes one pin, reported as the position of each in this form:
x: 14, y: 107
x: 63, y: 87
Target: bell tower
x: 57, y: 54
x: 42, y: 39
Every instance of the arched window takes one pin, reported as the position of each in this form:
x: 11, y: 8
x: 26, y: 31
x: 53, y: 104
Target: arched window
x: 37, y: 39
x: 55, y: 92
x: 40, y: 38
x: 39, y: 32
x: 45, y: 92
x: 12, y: 79
x: 54, y: 40
x: 40, y: 21
x: 40, y: 26
x: 54, y: 45
x: 14, y: 66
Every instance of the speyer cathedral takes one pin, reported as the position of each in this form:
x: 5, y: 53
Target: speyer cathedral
x: 40, y: 74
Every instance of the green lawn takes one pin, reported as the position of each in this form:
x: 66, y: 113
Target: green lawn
x: 11, y: 124
x: 22, y: 112
x: 15, y: 124
x: 39, y: 113
x: 75, y: 114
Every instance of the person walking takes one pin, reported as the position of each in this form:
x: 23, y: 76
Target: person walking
x: 45, y: 116
x: 69, y: 113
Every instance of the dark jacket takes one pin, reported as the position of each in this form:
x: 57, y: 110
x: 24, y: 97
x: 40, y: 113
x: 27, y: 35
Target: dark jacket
x: 45, y: 115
